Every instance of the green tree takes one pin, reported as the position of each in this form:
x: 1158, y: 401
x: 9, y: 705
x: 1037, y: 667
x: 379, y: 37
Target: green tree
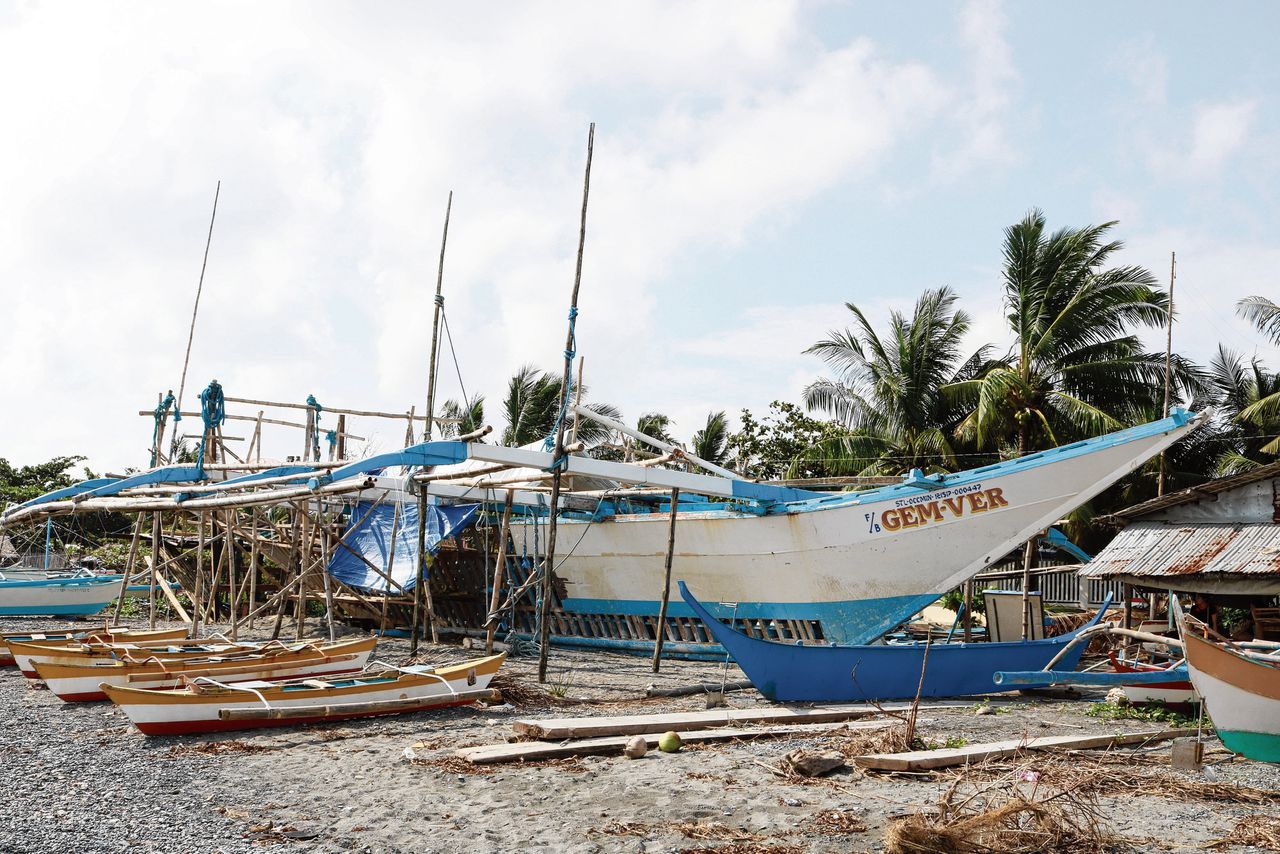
x: 657, y: 425
x: 469, y: 415
x: 532, y: 403
x: 780, y: 443
x: 712, y: 441
x: 1076, y: 369
x: 1248, y: 420
x: 1264, y: 410
x: 22, y: 484
x: 887, y: 390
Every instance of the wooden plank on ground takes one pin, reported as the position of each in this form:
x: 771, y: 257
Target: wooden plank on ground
x: 561, y: 728
x: 923, y: 760
x: 526, y: 751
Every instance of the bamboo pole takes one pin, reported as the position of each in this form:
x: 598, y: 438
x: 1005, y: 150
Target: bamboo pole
x: 499, y: 573
x: 396, y: 416
x: 1168, y: 365
x: 1028, y: 555
x: 391, y: 561
x: 296, y: 559
x: 155, y: 555
x: 195, y: 593
x: 435, y: 326
x: 328, y: 584
x: 968, y: 610
x: 666, y: 584
x: 548, y: 562
x: 129, y: 565
x: 253, y: 566
x: 233, y: 594
x: 304, y: 558
x: 191, y: 333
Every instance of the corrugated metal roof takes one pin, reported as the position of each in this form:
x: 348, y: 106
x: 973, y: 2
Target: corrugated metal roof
x: 1195, y: 493
x: 1172, y: 549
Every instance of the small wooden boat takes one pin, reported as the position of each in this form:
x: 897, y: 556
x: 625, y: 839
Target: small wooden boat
x: 1177, y: 692
x: 82, y: 682
x: 109, y: 634
x: 1240, y: 687
x: 25, y: 654
x: 207, y: 705
x: 58, y: 597
x: 841, y: 674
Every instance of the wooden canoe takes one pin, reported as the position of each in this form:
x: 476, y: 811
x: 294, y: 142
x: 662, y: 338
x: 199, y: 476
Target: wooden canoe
x: 61, y: 637
x: 208, y: 707
x: 82, y: 681
x: 25, y: 654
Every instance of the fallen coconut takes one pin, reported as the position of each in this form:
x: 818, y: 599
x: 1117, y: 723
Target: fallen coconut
x: 636, y: 747
x: 670, y: 742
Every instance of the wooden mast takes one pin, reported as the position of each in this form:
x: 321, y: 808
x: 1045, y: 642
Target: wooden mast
x: 548, y: 562
x: 435, y: 325
x: 191, y: 333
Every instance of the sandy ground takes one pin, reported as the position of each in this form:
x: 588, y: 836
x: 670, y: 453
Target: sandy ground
x: 351, y: 787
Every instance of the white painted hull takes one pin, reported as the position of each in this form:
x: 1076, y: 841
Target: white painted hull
x: 90, y: 686
x: 837, y: 551
x: 38, y: 598
x: 26, y: 661
x: 1152, y: 694
x: 1235, y: 709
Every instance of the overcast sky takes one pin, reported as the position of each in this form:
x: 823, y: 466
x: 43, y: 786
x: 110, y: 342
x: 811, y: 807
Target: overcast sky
x: 756, y: 165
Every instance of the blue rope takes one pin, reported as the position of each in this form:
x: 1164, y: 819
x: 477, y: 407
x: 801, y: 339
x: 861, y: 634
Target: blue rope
x: 332, y: 437
x: 213, y: 411
x: 159, y: 416
x: 570, y: 353
x: 315, y: 435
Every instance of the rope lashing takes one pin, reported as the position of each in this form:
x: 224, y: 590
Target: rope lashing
x: 159, y: 413
x: 331, y: 436
x: 570, y: 353
x: 315, y: 434
x: 213, y: 411
x: 439, y: 300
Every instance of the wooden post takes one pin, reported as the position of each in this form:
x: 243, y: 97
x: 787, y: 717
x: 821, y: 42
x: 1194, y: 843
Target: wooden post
x: 296, y: 556
x: 1028, y: 555
x: 435, y: 325
x: 328, y: 584
x: 666, y: 584
x: 968, y: 611
x: 548, y: 562
x: 233, y: 595
x: 499, y: 574
x: 253, y: 566
x: 129, y: 564
x: 307, y: 434
x: 391, y: 562
x: 1126, y: 590
x: 1168, y: 362
x: 300, y: 607
x: 408, y: 427
x: 421, y: 570
x: 195, y: 594
x: 342, y: 437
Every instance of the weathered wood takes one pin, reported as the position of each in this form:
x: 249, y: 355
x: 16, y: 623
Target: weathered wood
x: 167, y: 589
x: 129, y: 565
x: 700, y: 688
x: 666, y: 584
x: 334, y: 409
x: 408, y: 704
x: 536, y: 750
x: 560, y: 728
x: 923, y: 760
x: 499, y: 574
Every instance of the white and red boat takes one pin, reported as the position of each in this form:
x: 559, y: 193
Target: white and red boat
x: 104, y: 634
x: 209, y: 705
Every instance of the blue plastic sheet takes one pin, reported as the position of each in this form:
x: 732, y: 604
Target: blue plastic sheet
x: 371, y: 538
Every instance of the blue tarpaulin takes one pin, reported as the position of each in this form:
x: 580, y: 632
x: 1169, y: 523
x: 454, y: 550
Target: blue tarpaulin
x: 371, y: 538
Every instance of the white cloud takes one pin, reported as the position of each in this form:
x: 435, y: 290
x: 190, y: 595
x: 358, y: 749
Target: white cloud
x: 338, y: 132
x: 1219, y: 131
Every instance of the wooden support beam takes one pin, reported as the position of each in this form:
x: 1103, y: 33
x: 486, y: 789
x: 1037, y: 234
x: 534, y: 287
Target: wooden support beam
x: 666, y: 585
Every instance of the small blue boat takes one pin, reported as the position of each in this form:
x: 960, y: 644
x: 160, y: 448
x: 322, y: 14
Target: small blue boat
x: 838, y: 674
x: 58, y: 597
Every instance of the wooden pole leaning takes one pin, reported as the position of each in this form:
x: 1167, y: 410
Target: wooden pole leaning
x: 499, y: 574
x: 195, y: 593
x: 391, y: 562
x: 666, y: 585
x: 420, y: 583
x: 155, y: 554
x: 548, y: 561
x: 435, y: 327
x: 129, y: 564
x: 328, y: 583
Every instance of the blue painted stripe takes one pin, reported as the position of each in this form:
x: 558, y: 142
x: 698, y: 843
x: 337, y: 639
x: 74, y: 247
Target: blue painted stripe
x: 851, y: 621
x: 52, y: 610
x: 87, y: 581
x: 67, y: 492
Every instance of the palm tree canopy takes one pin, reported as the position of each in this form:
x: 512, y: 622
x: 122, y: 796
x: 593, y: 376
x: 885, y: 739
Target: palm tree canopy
x: 657, y: 425
x: 1262, y: 313
x: 1075, y: 369
x: 887, y: 392
x: 1247, y: 397
x: 470, y: 416
x: 711, y: 443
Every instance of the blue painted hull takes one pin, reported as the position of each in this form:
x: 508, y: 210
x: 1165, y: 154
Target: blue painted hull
x: 838, y: 674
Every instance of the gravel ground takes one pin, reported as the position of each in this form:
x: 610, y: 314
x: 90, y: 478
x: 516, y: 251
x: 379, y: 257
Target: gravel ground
x: 79, y: 779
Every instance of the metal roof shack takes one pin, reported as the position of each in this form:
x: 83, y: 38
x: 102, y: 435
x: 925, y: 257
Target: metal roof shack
x: 1221, y: 537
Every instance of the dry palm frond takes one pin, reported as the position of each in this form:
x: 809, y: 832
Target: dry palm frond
x: 214, y: 748
x: 715, y: 831
x: 1256, y: 831
x: 748, y: 848
x: 526, y: 696
x: 454, y: 765
x: 833, y: 822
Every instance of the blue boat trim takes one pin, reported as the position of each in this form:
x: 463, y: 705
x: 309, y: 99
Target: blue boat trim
x: 850, y: 621
x: 1045, y: 678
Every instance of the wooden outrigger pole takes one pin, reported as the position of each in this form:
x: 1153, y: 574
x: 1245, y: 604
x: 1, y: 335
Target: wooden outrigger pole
x: 548, y: 562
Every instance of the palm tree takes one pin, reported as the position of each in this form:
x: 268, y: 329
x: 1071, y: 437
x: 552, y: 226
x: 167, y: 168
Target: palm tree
x: 887, y: 393
x: 1265, y: 408
x: 711, y: 443
x: 1245, y: 397
x: 470, y: 417
x: 657, y: 425
x: 532, y: 404
x: 1075, y: 369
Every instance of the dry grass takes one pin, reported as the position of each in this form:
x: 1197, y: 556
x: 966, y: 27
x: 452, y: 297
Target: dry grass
x: 217, y: 748
x: 524, y: 695
x: 748, y: 848
x: 860, y: 742
x: 1257, y: 831
x: 454, y: 765
x: 836, y: 822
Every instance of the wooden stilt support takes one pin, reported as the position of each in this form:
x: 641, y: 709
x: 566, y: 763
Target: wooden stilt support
x: 129, y: 564
x: 666, y: 584
x: 233, y: 593
x: 253, y: 566
x: 300, y: 606
x: 968, y: 610
x: 391, y: 561
x: 328, y: 583
x: 1028, y: 555
x: 499, y: 574
x: 155, y: 554
x: 196, y: 601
